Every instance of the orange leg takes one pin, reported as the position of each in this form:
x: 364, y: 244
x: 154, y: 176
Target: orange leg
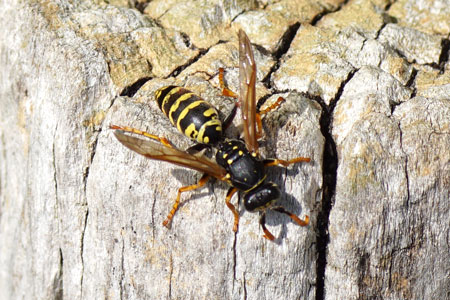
x: 272, y: 107
x: 263, y: 112
x: 199, y: 184
x: 276, y: 162
x: 233, y: 209
x: 162, y: 140
x: 292, y: 216
x: 228, y: 93
x: 262, y: 222
x: 225, y: 91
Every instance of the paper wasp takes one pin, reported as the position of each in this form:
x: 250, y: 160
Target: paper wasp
x: 237, y: 162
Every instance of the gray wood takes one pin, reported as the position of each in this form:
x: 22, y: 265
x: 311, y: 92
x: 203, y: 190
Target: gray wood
x: 81, y: 215
x: 389, y: 225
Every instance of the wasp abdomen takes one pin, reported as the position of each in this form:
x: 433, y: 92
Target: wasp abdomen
x: 192, y: 115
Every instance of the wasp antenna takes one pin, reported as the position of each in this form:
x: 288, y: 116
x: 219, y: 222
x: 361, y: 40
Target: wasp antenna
x: 262, y: 222
x: 292, y: 216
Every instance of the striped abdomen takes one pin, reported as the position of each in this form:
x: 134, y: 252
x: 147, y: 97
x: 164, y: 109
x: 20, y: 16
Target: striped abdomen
x: 192, y: 115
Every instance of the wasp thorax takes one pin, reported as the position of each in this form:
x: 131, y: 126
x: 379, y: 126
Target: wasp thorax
x: 246, y: 171
x: 262, y: 197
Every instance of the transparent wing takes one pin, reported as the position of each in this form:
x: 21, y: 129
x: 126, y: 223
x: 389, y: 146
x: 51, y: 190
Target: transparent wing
x: 247, y: 96
x: 155, y: 150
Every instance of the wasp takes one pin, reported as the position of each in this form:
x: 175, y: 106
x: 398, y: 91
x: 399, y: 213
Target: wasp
x: 237, y: 162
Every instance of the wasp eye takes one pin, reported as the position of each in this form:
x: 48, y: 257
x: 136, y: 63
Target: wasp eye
x: 261, y: 197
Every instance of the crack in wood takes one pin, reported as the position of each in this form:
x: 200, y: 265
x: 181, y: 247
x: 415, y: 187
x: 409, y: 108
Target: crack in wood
x: 284, y: 45
x: 406, y: 164
x: 443, y: 58
x: 170, y: 276
x: 132, y: 89
x: 122, y: 276
x: 82, y: 251
x: 234, y: 257
x: 329, y: 173
x: 58, y: 285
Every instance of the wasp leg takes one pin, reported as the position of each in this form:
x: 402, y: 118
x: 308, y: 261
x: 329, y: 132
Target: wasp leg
x: 225, y: 91
x: 259, y: 113
x: 196, y: 148
x: 183, y: 189
x: 270, y: 108
x: 292, y: 216
x: 162, y: 140
x: 262, y: 222
x: 275, y: 162
x: 233, y: 209
x: 229, y: 119
x: 229, y: 93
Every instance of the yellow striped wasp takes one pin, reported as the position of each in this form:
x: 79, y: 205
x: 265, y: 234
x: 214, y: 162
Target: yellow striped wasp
x: 237, y: 162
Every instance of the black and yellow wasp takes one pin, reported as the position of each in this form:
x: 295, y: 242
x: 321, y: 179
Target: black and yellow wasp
x: 237, y: 162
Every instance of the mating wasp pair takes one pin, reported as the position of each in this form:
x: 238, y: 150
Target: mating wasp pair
x: 237, y: 162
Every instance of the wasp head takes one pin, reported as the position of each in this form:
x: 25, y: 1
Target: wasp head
x: 262, y: 197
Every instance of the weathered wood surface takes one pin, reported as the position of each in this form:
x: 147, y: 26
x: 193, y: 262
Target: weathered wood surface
x: 367, y: 88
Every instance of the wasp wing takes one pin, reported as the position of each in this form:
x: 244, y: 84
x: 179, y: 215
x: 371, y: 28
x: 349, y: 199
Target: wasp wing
x: 155, y: 150
x: 247, y: 96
